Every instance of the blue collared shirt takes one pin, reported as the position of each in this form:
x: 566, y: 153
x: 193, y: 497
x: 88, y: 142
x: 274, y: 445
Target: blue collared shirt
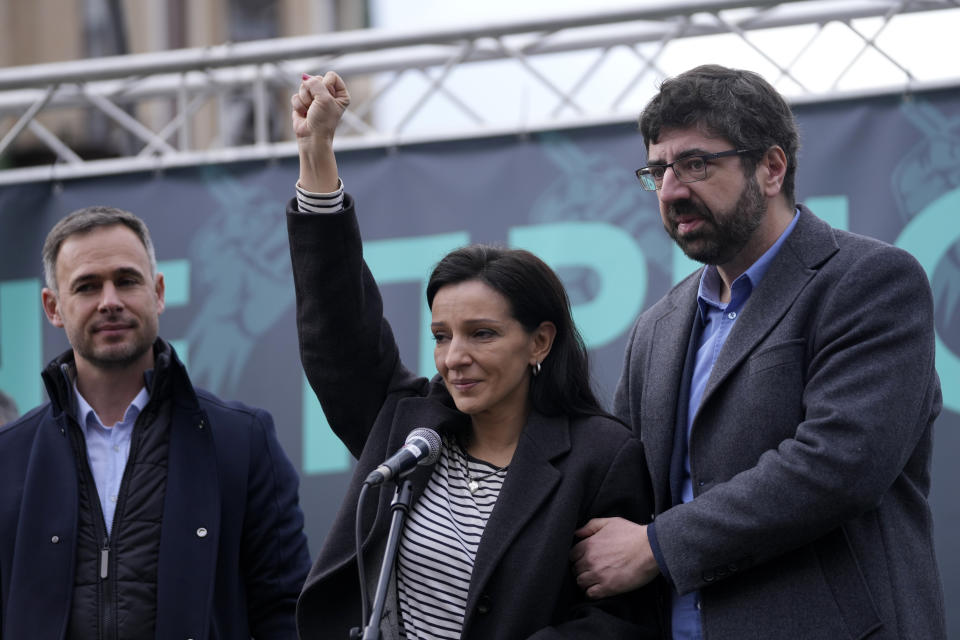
x: 108, y: 449
x: 717, y: 320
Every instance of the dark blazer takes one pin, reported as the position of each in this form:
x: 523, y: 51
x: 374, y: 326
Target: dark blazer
x: 810, y: 452
x: 564, y: 471
x: 226, y: 473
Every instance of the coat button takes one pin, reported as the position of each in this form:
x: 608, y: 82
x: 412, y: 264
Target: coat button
x: 484, y: 604
x: 200, y: 425
x: 55, y: 539
x: 708, y: 576
x: 201, y: 532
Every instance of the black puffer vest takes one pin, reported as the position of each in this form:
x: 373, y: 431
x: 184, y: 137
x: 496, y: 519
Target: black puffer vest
x: 115, y: 576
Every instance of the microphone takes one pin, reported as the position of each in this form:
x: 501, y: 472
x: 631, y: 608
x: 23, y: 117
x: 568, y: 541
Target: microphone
x: 421, y: 447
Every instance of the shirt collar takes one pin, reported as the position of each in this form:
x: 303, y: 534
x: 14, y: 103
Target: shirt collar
x: 710, y: 282
x: 85, y: 412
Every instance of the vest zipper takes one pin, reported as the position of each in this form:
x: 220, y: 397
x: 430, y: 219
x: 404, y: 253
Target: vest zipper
x: 105, y: 560
x: 107, y: 630
x: 108, y: 609
x: 104, y: 586
x: 107, y: 588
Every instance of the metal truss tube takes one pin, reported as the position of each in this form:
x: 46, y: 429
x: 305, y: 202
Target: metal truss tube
x: 115, y: 166
x: 184, y: 81
x: 56, y: 144
x: 260, y: 51
x: 25, y: 119
x: 436, y: 84
x: 384, y: 53
x: 128, y: 122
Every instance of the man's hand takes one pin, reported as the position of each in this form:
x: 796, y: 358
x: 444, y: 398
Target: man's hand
x: 317, y: 108
x: 613, y: 556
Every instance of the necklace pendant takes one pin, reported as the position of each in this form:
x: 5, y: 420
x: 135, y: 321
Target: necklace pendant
x: 473, y: 485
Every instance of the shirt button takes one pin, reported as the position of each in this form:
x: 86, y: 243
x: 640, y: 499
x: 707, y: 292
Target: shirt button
x: 113, y: 498
x: 732, y: 315
x: 116, y: 447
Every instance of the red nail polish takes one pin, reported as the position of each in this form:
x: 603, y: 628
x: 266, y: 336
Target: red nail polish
x: 305, y: 77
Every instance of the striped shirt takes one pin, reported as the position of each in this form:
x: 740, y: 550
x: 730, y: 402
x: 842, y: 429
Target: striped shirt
x: 310, y: 202
x: 439, y: 544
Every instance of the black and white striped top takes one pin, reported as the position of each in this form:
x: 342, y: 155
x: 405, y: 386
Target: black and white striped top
x: 311, y: 202
x: 439, y: 544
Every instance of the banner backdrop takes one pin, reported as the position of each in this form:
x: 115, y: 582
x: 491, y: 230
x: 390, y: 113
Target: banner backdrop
x: 887, y: 167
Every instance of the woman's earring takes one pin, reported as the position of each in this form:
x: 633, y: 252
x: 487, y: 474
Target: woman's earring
x: 536, y: 369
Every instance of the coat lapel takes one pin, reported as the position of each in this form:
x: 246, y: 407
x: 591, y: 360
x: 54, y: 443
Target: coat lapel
x: 810, y: 243
x: 661, y: 384
x: 41, y: 580
x: 413, y: 413
x: 531, y: 480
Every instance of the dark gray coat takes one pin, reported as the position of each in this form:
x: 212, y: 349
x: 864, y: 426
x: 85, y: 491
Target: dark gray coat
x: 810, y: 452
x: 564, y: 471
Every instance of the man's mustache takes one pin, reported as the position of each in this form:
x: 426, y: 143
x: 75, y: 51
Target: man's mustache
x: 687, y: 208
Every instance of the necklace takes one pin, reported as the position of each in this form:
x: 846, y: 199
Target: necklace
x: 473, y: 483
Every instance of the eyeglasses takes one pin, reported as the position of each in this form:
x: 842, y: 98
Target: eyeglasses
x: 687, y: 169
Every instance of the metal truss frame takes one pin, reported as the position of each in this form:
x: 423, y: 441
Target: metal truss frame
x: 261, y: 74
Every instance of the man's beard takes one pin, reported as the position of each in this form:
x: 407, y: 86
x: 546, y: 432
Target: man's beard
x: 720, y: 237
x: 116, y: 359
x: 119, y: 355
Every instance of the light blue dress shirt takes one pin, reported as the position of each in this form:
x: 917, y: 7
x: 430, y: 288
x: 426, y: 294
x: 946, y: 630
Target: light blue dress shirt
x: 717, y: 319
x: 108, y: 449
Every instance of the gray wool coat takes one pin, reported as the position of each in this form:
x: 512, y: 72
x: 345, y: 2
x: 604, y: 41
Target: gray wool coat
x: 810, y: 452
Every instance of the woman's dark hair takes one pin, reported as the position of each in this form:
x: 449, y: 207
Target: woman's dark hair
x: 535, y: 295
x: 731, y: 103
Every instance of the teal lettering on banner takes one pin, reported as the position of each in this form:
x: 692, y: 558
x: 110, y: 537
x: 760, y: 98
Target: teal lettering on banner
x: 928, y: 237
x: 21, y: 355
x: 322, y: 450
x: 834, y: 210
x: 411, y: 260
x: 612, y: 254
x: 682, y: 265
x: 176, y: 279
x: 391, y: 261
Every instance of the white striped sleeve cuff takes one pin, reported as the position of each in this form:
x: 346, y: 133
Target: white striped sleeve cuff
x: 311, y: 202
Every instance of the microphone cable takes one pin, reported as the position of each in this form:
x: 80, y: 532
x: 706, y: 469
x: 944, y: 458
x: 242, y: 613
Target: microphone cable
x: 358, y: 534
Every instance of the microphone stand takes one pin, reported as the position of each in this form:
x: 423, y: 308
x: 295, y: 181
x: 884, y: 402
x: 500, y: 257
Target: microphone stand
x: 400, y: 507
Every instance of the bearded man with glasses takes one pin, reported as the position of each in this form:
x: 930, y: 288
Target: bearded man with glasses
x: 785, y: 395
